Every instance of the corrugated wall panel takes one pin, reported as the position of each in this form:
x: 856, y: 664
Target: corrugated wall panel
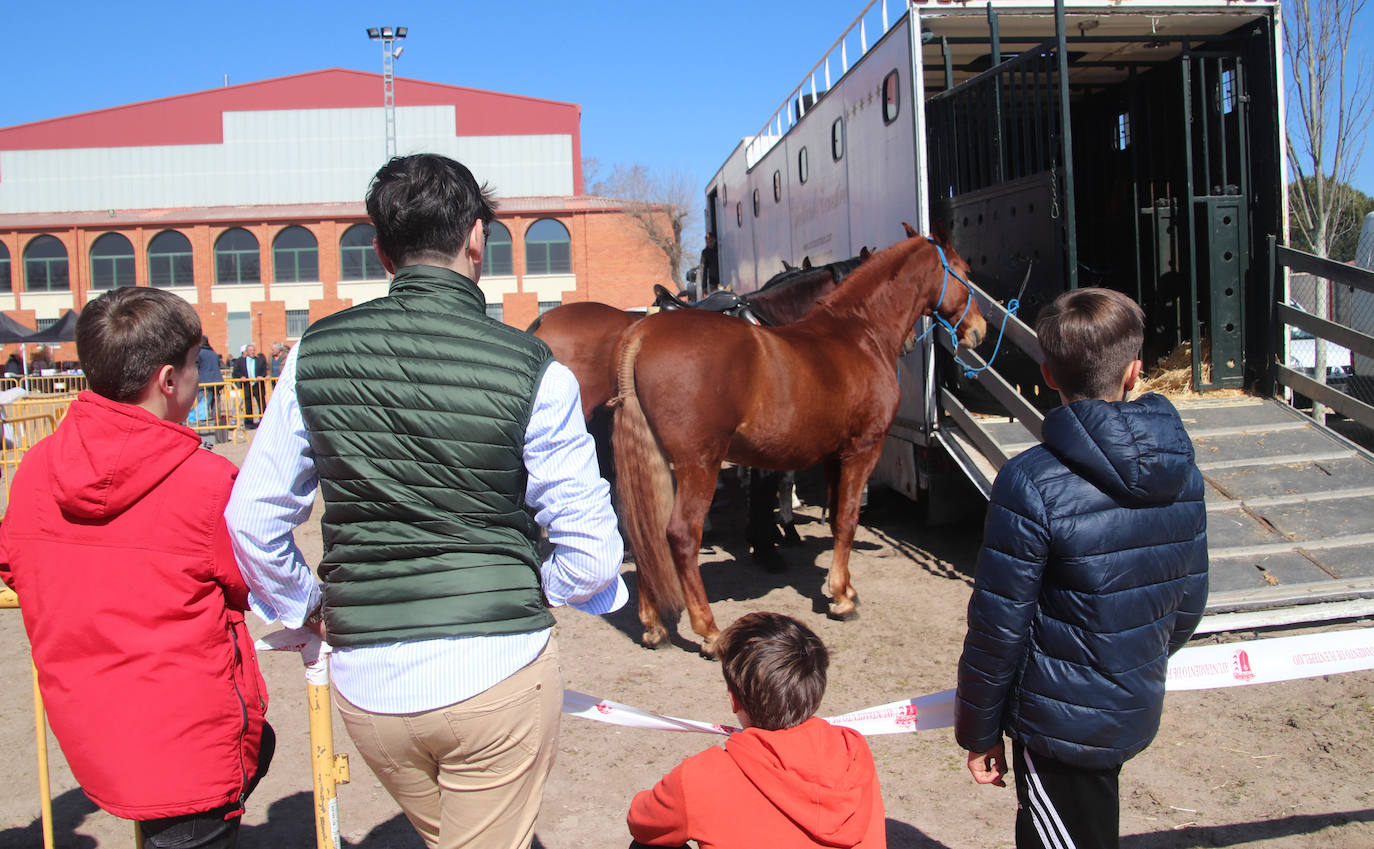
x: 275, y: 157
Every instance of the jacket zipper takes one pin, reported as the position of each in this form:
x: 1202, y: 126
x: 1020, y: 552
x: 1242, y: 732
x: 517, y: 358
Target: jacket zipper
x: 243, y: 709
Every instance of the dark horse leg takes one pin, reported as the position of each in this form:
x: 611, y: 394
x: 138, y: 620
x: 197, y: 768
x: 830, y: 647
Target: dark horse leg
x: 787, y: 484
x: 762, y: 533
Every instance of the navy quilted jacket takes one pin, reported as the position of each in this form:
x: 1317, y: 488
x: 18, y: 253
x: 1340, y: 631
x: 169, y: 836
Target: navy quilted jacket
x: 1093, y: 571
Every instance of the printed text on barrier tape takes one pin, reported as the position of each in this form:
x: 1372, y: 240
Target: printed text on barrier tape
x: 1195, y: 668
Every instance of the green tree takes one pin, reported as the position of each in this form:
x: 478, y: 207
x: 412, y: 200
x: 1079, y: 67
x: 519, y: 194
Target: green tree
x: 1343, y: 231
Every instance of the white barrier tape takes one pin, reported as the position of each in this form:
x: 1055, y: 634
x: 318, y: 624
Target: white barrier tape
x: 314, y: 651
x: 1196, y: 668
x: 1267, y: 661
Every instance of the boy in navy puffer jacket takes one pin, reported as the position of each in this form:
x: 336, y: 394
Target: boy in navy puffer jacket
x: 1093, y: 571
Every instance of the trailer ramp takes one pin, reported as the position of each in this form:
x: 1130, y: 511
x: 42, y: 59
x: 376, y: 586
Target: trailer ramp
x: 1290, y: 508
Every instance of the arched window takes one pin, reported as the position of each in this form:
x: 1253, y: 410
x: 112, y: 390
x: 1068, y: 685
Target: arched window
x: 169, y: 260
x: 237, y: 259
x: 45, y: 266
x: 548, y: 249
x: 498, y: 257
x: 295, y: 256
x: 112, y: 262
x: 5, y: 284
x: 357, y: 258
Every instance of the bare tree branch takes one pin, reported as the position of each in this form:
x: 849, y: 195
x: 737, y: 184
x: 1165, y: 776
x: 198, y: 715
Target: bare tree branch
x: 662, y: 206
x: 1329, y: 110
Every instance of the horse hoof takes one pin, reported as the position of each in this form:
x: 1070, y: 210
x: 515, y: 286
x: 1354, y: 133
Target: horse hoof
x: 843, y: 612
x: 654, y: 638
x: 790, y: 535
x: 768, y: 559
x: 708, y: 647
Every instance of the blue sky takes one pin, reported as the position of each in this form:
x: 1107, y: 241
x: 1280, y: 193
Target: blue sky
x: 670, y: 85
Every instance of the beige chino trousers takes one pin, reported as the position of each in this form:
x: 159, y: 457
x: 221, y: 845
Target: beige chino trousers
x: 471, y: 774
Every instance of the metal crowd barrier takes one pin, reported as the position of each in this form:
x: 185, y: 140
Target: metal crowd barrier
x: 21, y: 432
x: 328, y: 770
x: 222, y: 408
x: 47, y: 384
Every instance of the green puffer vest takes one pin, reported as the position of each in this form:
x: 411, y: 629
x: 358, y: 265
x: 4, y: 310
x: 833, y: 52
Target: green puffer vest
x: 416, y: 407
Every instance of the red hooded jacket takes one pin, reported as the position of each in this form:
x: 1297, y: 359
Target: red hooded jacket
x: 115, y: 542
x: 797, y: 788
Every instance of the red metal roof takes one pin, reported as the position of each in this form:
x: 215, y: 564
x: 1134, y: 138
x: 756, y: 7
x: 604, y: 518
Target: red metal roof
x: 195, y: 118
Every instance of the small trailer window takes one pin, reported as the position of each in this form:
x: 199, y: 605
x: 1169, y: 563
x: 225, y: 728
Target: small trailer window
x: 892, y: 92
x: 803, y: 169
x: 1123, y: 130
x: 756, y: 203
x: 777, y: 186
x: 837, y: 139
x: 739, y: 214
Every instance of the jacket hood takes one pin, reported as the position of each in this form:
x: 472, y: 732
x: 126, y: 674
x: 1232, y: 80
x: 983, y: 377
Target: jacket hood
x: 107, y: 455
x: 1136, y: 451
x: 819, y: 775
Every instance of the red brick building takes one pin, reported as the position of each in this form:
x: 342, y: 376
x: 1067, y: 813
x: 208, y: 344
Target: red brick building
x: 247, y: 201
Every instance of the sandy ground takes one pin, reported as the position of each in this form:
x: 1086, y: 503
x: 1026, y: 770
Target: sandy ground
x: 1279, y: 765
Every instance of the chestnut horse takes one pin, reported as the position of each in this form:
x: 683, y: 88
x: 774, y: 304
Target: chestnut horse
x: 583, y: 335
x: 695, y: 389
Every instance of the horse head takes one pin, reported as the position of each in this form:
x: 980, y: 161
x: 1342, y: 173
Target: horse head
x: 954, y: 302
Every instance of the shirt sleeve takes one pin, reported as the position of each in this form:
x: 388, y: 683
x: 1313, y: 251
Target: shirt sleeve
x: 274, y: 493
x: 1010, y: 570
x: 658, y: 816
x: 571, y: 500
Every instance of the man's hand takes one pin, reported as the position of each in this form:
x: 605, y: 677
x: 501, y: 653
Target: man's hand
x: 989, y: 767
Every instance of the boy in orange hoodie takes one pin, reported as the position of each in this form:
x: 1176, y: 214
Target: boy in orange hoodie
x: 789, y: 780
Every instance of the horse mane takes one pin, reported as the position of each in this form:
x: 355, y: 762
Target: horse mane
x: 865, y: 295
x: 788, y: 295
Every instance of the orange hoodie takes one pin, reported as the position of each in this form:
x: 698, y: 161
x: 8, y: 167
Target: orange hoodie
x: 797, y: 788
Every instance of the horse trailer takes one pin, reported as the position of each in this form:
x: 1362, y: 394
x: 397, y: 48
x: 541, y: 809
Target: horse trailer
x: 1134, y: 145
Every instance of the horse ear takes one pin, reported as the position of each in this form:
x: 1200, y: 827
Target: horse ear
x: 787, y: 266
x: 910, y: 232
x: 939, y: 234
x: 806, y: 262
x: 864, y: 254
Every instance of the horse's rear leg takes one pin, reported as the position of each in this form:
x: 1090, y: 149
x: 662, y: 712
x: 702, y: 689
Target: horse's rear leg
x: 695, y: 486
x: 847, y: 490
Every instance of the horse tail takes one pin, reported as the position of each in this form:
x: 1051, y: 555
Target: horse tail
x: 645, y: 489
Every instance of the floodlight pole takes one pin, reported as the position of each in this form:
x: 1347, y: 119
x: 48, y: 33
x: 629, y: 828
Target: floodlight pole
x: 388, y: 36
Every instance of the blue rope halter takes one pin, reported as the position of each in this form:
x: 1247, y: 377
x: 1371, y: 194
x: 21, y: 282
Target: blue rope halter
x: 1012, y: 306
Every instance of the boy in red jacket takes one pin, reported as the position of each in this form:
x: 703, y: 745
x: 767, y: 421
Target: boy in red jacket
x: 789, y: 780
x: 115, y: 542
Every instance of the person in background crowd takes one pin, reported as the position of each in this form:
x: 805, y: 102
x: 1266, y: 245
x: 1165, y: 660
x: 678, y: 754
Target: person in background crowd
x: 251, y: 365
x: 115, y: 542
x: 208, y: 372
x: 442, y: 441
x: 41, y: 360
x: 708, y: 274
x: 1093, y: 571
x: 279, y: 351
x: 14, y: 367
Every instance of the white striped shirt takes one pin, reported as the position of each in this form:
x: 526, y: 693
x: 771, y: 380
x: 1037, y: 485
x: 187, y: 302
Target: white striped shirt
x: 275, y: 492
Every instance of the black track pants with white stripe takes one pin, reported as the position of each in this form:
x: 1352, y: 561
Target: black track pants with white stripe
x: 1061, y: 806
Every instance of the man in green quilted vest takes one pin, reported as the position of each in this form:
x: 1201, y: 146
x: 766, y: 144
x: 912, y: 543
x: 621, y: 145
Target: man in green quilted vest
x: 443, y: 441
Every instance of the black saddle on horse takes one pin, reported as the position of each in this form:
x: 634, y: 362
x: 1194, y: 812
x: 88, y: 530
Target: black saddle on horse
x: 721, y: 300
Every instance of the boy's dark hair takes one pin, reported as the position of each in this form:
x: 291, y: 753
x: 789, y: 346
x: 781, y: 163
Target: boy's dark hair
x: 775, y: 667
x: 1088, y: 337
x: 124, y: 336
x: 423, y: 208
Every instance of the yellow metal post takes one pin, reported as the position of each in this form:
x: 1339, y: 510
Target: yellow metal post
x: 40, y: 721
x: 329, y: 769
